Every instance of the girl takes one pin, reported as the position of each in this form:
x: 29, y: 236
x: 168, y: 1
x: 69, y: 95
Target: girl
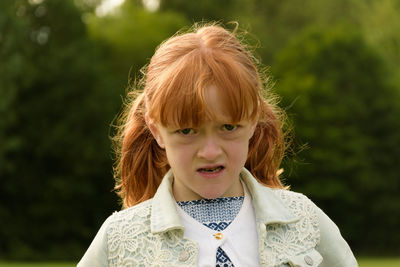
x: 200, y: 150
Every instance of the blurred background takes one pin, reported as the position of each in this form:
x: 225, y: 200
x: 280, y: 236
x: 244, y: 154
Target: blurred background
x: 65, y: 66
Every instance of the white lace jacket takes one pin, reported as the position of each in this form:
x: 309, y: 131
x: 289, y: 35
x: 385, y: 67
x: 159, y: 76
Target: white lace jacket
x: 292, y: 231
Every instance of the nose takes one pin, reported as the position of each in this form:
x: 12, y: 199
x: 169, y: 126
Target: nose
x: 210, y: 149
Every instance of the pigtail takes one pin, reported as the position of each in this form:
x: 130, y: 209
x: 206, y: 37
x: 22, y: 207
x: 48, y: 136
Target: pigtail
x: 266, y: 147
x: 142, y: 163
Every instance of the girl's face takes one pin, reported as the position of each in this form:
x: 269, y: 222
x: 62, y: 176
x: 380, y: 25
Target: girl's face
x: 206, y: 161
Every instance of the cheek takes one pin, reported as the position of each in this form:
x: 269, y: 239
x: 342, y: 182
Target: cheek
x: 178, y: 155
x: 238, y: 152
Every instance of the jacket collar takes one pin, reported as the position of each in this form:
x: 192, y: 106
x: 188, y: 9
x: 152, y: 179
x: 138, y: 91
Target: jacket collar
x: 164, y: 216
x: 268, y: 207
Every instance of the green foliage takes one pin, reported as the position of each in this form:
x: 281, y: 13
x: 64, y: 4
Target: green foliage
x: 336, y: 90
x: 206, y: 10
x: 130, y: 35
x: 277, y: 22
x: 57, y: 102
x: 379, y: 21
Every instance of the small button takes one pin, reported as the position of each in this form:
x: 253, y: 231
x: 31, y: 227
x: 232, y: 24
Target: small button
x: 184, y: 255
x: 218, y: 236
x: 308, y: 260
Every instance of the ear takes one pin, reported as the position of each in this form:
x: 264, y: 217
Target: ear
x: 154, y: 131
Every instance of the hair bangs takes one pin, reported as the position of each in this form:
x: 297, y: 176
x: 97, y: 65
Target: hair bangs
x: 239, y: 88
x: 179, y: 101
x: 181, y: 94
x: 179, y: 97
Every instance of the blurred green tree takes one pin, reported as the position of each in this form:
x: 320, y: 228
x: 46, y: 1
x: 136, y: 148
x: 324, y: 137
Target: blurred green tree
x: 380, y: 24
x: 207, y: 10
x: 130, y: 34
x: 56, y: 103
x: 338, y: 94
x: 277, y: 22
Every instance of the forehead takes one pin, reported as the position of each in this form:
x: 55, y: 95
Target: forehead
x: 216, y: 107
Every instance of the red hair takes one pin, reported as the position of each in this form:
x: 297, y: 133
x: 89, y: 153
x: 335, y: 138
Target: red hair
x: 172, y: 92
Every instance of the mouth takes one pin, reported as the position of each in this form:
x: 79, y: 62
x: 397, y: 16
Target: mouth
x: 211, y: 169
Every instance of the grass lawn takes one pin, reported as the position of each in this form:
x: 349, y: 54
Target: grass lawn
x: 37, y: 264
x: 363, y: 262
x: 378, y: 262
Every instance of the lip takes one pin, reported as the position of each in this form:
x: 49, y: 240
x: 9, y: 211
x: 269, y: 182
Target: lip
x: 211, y: 166
x: 212, y: 174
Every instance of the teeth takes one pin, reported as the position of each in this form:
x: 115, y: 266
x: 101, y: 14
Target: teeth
x: 211, y: 170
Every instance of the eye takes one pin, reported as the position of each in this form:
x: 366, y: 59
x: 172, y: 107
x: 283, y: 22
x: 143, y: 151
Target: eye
x: 186, y: 131
x: 229, y: 127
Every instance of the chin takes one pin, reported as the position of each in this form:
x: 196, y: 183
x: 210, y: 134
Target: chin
x: 212, y: 195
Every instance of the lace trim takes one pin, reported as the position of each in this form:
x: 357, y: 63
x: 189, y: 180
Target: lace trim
x: 285, y: 240
x: 130, y: 242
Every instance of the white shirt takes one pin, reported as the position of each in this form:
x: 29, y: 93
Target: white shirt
x: 239, y: 240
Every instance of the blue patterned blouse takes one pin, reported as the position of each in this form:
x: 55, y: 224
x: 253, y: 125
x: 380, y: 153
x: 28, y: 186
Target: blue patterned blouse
x: 216, y: 214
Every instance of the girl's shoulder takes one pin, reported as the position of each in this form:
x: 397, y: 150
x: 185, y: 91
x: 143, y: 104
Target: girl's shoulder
x: 297, y: 202
x: 138, y: 214
x: 326, y: 235
x: 289, y: 196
